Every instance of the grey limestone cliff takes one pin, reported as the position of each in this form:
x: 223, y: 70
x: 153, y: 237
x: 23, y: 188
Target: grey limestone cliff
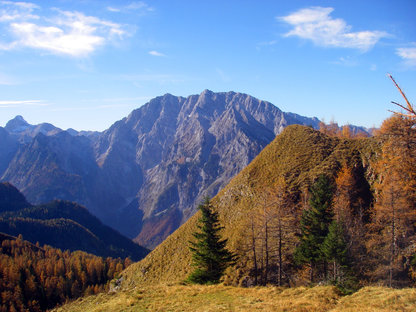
x: 147, y: 173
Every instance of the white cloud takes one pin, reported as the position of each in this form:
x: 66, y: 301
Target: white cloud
x: 162, y: 79
x: 263, y: 44
x: 67, y: 32
x: 115, y: 104
x: 408, y: 55
x: 4, y: 104
x: 11, y: 11
x: 156, y: 53
x: 120, y: 99
x: 88, y: 108
x: 346, y: 61
x: 136, y: 6
x: 25, y: 5
x: 224, y: 77
x: 8, y: 46
x: 316, y: 24
x: 112, y: 9
x: 6, y: 80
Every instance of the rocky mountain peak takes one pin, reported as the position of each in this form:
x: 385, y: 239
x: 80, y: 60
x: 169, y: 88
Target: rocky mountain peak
x: 17, y: 124
x: 146, y: 174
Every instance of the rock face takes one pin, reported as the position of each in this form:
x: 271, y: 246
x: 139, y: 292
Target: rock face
x: 147, y: 173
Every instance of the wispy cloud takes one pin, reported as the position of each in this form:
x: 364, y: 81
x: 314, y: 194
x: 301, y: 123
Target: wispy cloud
x: 93, y: 107
x: 316, y: 24
x: 21, y: 4
x: 112, y: 9
x: 135, y: 6
x: 267, y: 43
x: 156, y: 53
x: 157, y: 78
x: 346, y: 61
x: 120, y: 99
x: 139, y: 5
x: 408, y: 54
x: 7, y: 81
x: 12, y: 11
x: 224, y: 77
x: 263, y: 44
x: 4, y: 104
x: 67, y: 32
x: 87, y: 108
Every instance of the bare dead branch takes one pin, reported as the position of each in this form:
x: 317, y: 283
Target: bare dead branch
x: 410, y: 109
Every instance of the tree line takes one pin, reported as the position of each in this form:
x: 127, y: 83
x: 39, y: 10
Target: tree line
x: 34, y: 278
x: 340, y: 230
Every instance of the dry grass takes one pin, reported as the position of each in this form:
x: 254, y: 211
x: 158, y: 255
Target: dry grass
x: 371, y: 299
x: 299, y: 154
x: 226, y: 298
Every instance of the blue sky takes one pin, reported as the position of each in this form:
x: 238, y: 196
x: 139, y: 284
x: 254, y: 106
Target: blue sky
x: 86, y: 64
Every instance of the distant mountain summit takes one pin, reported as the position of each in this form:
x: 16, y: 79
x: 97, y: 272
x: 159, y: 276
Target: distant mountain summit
x: 146, y: 174
x: 17, y: 124
x: 20, y: 127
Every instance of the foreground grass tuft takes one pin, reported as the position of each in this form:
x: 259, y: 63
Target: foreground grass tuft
x: 227, y: 298
x: 379, y: 299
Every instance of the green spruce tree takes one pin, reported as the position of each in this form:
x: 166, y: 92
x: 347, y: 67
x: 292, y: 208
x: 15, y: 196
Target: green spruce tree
x: 335, y: 250
x: 314, y: 226
x: 209, y: 255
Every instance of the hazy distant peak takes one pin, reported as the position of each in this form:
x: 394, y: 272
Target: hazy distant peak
x: 20, y: 118
x: 206, y: 92
x: 17, y: 124
x: 72, y: 131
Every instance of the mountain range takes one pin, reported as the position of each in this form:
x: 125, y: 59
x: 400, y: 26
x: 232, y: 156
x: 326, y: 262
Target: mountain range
x: 62, y: 224
x: 146, y: 174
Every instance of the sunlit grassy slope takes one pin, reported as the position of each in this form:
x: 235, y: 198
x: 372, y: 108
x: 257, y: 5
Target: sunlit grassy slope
x: 299, y: 154
x: 227, y: 298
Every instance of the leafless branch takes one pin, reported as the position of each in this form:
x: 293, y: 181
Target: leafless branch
x: 410, y: 109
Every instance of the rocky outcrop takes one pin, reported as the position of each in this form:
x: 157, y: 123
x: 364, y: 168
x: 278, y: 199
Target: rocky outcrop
x: 147, y: 173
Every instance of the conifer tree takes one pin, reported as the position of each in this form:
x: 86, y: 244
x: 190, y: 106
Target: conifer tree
x: 314, y: 225
x: 335, y: 249
x: 209, y: 255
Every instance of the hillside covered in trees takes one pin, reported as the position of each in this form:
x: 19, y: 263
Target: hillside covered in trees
x: 34, y: 278
x: 269, y: 207
x: 315, y: 207
x: 62, y: 224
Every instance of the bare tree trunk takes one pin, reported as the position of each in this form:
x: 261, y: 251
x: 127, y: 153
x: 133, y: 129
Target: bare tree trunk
x: 393, y: 240
x: 279, y: 277
x: 311, y: 273
x: 261, y: 256
x: 266, y: 247
x: 253, y: 246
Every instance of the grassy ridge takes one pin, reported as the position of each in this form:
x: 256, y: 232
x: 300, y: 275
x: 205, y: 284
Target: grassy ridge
x: 227, y: 298
x: 299, y: 154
